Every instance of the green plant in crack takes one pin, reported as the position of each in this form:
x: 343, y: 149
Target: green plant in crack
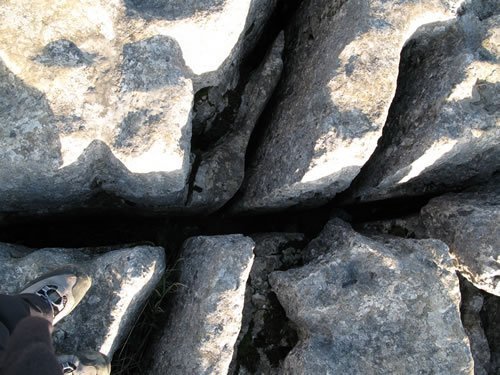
x: 130, y: 357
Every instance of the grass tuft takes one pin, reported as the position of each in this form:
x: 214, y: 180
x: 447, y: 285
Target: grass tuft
x: 130, y: 358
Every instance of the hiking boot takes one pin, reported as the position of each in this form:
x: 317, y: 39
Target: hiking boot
x: 85, y: 363
x: 63, y: 289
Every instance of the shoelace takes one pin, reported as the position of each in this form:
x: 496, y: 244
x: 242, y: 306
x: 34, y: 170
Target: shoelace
x: 53, y: 297
x: 68, y: 367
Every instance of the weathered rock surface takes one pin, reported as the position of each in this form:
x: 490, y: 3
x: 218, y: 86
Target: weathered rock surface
x: 266, y: 334
x: 374, y: 305
x: 406, y: 227
x: 206, y: 315
x: 221, y: 170
x: 443, y: 129
x: 121, y: 282
x: 339, y: 80
x: 96, y: 96
x: 213, y: 99
x: 472, y: 303
x: 482, y: 323
x: 468, y: 223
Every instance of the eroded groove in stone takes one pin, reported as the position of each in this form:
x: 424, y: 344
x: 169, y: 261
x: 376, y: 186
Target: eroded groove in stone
x: 442, y: 131
x: 97, y: 105
x: 472, y: 303
x: 339, y: 81
x: 221, y: 170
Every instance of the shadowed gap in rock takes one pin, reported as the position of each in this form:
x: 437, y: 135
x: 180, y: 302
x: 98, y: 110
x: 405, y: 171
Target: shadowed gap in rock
x: 171, y: 9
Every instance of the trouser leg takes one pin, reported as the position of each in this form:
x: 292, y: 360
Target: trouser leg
x: 30, y: 351
x: 4, y: 338
x: 15, y: 308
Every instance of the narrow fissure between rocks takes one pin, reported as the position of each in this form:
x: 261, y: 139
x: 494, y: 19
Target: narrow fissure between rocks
x: 283, y: 14
x: 221, y: 120
x: 281, y: 237
x: 479, y: 313
x: 276, y: 335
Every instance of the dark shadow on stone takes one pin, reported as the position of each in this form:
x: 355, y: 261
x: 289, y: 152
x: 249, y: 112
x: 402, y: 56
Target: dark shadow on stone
x: 170, y: 9
x: 18, y: 102
x: 490, y: 318
x: 480, y: 313
x: 221, y: 170
x: 482, y: 8
x: 216, y: 109
x: 210, y: 122
x: 97, y: 180
x: 135, y: 124
x: 64, y: 53
x: 322, y: 116
x: 69, y: 124
x: 266, y: 335
x: 29, y: 145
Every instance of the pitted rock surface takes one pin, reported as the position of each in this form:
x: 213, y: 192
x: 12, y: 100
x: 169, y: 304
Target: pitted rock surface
x: 468, y: 223
x: 443, y: 130
x: 96, y: 96
x: 206, y: 315
x: 375, y: 305
x: 340, y: 77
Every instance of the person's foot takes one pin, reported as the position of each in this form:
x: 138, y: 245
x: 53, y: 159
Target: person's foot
x: 85, y: 363
x: 63, y: 289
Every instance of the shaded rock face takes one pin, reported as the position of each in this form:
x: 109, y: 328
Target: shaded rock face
x: 468, y: 223
x: 266, y: 334
x: 213, y: 101
x: 121, y: 282
x: 374, y: 305
x: 96, y: 97
x: 206, y: 315
x: 170, y: 10
x: 221, y: 170
x: 482, y: 323
x: 472, y: 303
x: 442, y: 132
x: 339, y: 80
x: 406, y: 227
x: 490, y: 319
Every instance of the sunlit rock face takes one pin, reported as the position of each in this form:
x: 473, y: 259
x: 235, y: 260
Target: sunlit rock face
x: 206, y: 314
x: 443, y: 130
x: 377, y: 305
x: 122, y: 280
x: 468, y: 224
x: 339, y: 80
x: 96, y: 96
